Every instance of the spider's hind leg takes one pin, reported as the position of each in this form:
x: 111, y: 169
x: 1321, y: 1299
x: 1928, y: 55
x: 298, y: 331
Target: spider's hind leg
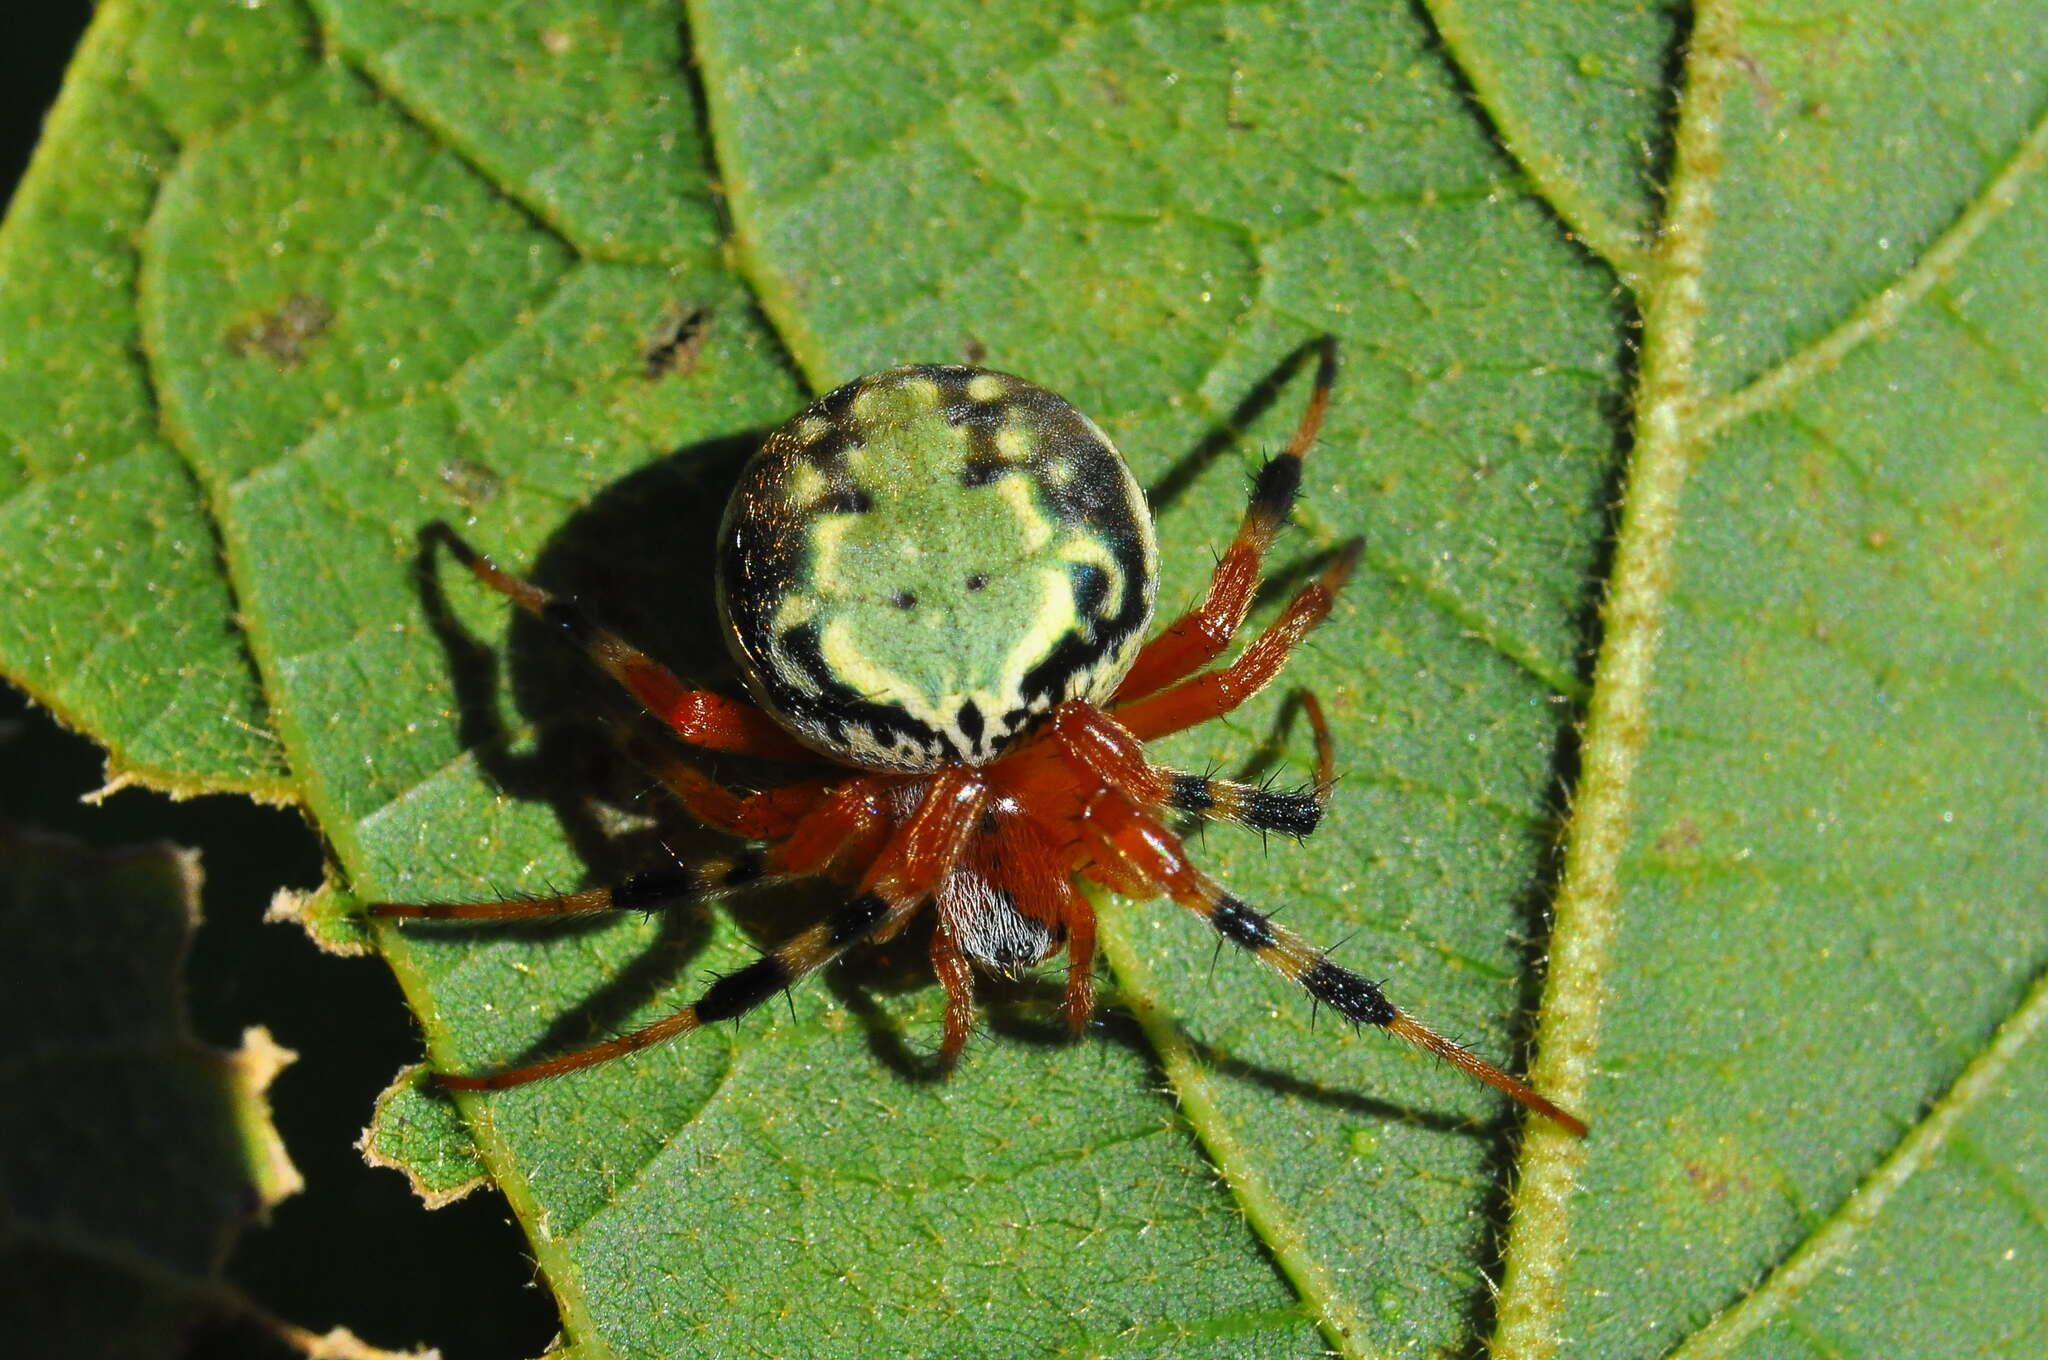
x: 1158, y: 854
x: 658, y: 889
x: 1356, y: 998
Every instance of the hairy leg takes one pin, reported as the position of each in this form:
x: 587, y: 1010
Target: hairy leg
x: 958, y: 979
x: 914, y: 860
x: 1079, y: 1002
x: 767, y: 815
x: 697, y: 716
x: 1101, y: 748
x: 1199, y: 636
x: 1215, y: 693
x: 1150, y: 846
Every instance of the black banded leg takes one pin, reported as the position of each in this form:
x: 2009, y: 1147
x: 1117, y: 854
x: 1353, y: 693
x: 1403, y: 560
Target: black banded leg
x: 1301, y: 963
x: 1294, y: 813
x: 727, y: 998
x: 1356, y: 998
x: 656, y: 889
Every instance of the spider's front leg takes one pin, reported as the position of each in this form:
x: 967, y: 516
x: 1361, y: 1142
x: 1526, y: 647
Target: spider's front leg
x: 1212, y: 694
x: 698, y: 716
x: 1199, y: 636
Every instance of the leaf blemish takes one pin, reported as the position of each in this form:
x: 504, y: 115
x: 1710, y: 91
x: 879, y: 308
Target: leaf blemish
x: 283, y: 334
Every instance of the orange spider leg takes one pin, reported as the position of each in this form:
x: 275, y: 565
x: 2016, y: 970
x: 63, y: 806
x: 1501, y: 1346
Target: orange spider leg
x: 659, y: 888
x: 1199, y: 636
x: 1215, y: 693
x: 1151, y: 847
x: 1099, y: 745
x: 915, y: 859
x: 1079, y: 1002
x: 697, y: 716
x: 767, y: 815
x: 957, y: 977
x: 848, y: 829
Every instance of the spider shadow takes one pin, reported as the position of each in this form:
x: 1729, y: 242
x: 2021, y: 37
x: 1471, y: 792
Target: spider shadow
x: 641, y: 556
x: 1027, y: 1011
x: 1229, y: 432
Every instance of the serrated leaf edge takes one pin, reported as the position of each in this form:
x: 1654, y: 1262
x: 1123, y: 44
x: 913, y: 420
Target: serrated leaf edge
x: 374, y: 1155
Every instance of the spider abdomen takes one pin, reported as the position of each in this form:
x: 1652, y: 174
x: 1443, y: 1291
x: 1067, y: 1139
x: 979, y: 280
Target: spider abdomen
x: 926, y: 559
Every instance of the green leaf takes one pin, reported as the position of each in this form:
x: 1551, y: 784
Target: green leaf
x: 120, y: 618
x: 131, y: 1154
x: 417, y: 1130
x: 1767, y: 743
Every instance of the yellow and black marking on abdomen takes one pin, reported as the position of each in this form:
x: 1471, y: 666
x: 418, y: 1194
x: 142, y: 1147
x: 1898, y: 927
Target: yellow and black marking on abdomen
x: 926, y: 559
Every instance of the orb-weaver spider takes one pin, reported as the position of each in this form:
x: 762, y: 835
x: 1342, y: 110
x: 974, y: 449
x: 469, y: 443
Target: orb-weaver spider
x: 938, y: 579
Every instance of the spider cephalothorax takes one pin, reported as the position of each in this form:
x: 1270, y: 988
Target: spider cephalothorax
x: 937, y: 581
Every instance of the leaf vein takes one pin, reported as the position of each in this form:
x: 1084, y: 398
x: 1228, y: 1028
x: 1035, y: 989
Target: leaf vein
x: 1853, y: 1218
x: 1587, y: 905
x: 1875, y: 318
x: 1591, y: 224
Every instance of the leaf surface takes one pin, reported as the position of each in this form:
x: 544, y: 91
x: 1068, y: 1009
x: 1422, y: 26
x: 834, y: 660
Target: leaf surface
x: 1730, y: 271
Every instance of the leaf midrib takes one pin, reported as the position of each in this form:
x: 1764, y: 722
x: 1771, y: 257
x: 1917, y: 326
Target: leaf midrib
x: 1617, y: 729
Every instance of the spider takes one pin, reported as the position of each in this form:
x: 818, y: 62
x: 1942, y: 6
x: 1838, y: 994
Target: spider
x: 937, y: 582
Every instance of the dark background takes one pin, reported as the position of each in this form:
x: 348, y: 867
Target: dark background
x: 354, y: 1248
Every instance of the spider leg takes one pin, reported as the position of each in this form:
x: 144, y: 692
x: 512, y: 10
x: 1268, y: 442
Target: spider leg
x: 697, y: 716
x: 1290, y: 812
x: 841, y: 824
x: 958, y: 979
x: 899, y: 881
x: 1102, y: 747
x: 1215, y: 693
x: 1079, y: 1002
x: 1150, y: 845
x: 767, y: 815
x: 1197, y: 637
x: 669, y: 885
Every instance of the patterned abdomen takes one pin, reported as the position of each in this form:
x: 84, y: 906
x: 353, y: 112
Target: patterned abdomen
x: 927, y: 558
